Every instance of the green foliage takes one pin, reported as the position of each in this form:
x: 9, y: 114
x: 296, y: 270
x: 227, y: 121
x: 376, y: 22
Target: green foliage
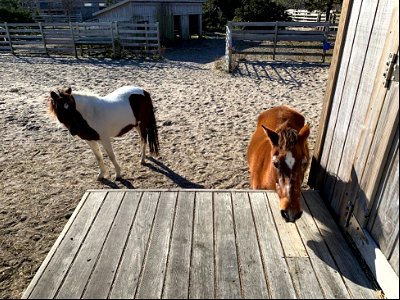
x: 216, y: 13
x: 260, y: 11
x: 12, y: 12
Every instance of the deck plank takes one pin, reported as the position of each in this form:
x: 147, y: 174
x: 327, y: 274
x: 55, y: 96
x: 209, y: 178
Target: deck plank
x: 199, y: 244
x: 250, y: 265
x: 226, y: 262
x: 60, y: 262
x: 177, y: 275
x: 275, y: 265
x: 323, y: 263
x: 304, y: 278
x: 202, y: 265
x: 127, y: 277
x: 82, y: 266
x: 290, y: 238
x: 103, y: 274
x: 347, y: 263
x: 152, y: 278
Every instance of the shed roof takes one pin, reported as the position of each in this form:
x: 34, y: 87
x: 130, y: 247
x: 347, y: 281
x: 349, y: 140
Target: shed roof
x: 111, y: 7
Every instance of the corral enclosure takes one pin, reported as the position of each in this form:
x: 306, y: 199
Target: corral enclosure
x: 112, y: 39
x: 283, y: 39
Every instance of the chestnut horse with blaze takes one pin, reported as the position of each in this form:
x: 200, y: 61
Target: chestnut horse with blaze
x: 278, y: 157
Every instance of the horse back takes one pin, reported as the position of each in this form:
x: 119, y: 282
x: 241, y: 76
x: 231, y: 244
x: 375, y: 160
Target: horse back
x: 275, y: 117
x: 259, y: 153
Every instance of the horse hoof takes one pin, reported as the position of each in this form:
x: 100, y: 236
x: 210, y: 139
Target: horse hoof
x: 118, y: 178
x: 100, y: 178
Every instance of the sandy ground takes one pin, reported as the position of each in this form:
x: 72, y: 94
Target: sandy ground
x: 205, y: 119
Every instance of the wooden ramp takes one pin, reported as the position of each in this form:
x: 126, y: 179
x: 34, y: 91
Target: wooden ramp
x: 198, y: 244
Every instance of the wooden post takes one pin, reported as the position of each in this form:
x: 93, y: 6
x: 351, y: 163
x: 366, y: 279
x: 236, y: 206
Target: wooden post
x: 228, y: 48
x: 112, y: 37
x: 158, y: 40
x: 146, y: 35
x: 73, y: 39
x: 43, y: 38
x: 9, y: 38
x: 275, y: 39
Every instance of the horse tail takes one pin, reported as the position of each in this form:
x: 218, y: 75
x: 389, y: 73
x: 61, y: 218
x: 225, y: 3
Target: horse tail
x: 152, y: 132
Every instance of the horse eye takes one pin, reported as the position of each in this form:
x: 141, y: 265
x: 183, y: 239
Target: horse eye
x: 276, y: 163
x: 66, y: 106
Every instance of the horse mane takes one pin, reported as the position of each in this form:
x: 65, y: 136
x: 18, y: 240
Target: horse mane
x: 287, y: 136
x: 50, y: 107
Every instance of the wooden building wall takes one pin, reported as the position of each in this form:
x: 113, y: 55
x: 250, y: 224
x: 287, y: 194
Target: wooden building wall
x: 162, y: 12
x: 356, y: 160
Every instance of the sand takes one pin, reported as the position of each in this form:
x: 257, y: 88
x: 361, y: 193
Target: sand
x: 205, y: 120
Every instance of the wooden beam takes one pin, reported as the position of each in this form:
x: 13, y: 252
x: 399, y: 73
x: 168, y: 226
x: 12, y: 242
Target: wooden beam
x: 315, y: 171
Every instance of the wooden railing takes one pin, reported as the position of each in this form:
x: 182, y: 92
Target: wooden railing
x: 111, y: 38
x: 302, y: 15
x: 276, y: 32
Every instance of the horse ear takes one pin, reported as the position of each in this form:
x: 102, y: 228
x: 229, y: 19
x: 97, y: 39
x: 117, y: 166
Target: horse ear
x: 54, y: 96
x: 304, y: 132
x: 68, y: 91
x: 273, y: 136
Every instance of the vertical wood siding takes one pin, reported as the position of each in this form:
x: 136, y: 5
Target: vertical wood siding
x: 357, y: 169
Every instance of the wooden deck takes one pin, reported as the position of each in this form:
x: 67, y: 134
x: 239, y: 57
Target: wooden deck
x: 198, y: 244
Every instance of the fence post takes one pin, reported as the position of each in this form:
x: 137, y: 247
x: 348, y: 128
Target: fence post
x: 158, y: 40
x: 326, y: 33
x: 73, y: 39
x: 228, y: 48
x: 112, y: 36
x: 275, y: 39
x: 9, y: 38
x: 43, y: 38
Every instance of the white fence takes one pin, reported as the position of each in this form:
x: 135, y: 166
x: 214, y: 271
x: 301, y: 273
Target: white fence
x: 302, y: 15
x: 276, y: 32
x: 109, y: 38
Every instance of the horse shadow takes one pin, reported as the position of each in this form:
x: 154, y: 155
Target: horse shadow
x: 112, y: 184
x: 336, y: 240
x: 161, y: 168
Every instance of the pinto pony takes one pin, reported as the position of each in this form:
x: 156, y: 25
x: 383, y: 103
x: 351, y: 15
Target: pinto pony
x: 278, y: 157
x: 97, y: 119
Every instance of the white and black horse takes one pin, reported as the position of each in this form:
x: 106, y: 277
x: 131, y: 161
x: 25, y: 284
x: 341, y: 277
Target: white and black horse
x: 97, y: 119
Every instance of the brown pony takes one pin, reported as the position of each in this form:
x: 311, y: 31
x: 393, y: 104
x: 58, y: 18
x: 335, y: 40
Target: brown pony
x: 278, y: 157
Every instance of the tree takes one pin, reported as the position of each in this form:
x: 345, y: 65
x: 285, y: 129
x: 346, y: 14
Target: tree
x: 216, y: 13
x: 261, y: 11
x: 12, y: 11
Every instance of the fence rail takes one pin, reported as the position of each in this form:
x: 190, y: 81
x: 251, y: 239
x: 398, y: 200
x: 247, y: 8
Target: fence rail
x: 302, y: 15
x: 111, y: 38
x: 275, y: 32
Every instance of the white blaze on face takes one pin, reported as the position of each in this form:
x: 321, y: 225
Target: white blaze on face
x: 290, y: 160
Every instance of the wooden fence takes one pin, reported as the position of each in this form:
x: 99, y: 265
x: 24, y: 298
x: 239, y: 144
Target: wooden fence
x: 108, y: 38
x: 303, y: 15
x: 276, y: 32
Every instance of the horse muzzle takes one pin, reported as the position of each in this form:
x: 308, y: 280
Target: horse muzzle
x: 289, y: 217
x: 73, y: 131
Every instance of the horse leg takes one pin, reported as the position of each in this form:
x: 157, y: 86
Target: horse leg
x: 110, y: 152
x: 142, y: 142
x: 96, y: 150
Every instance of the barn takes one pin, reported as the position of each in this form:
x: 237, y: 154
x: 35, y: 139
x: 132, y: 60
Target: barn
x: 177, y: 19
x: 356, y: 160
